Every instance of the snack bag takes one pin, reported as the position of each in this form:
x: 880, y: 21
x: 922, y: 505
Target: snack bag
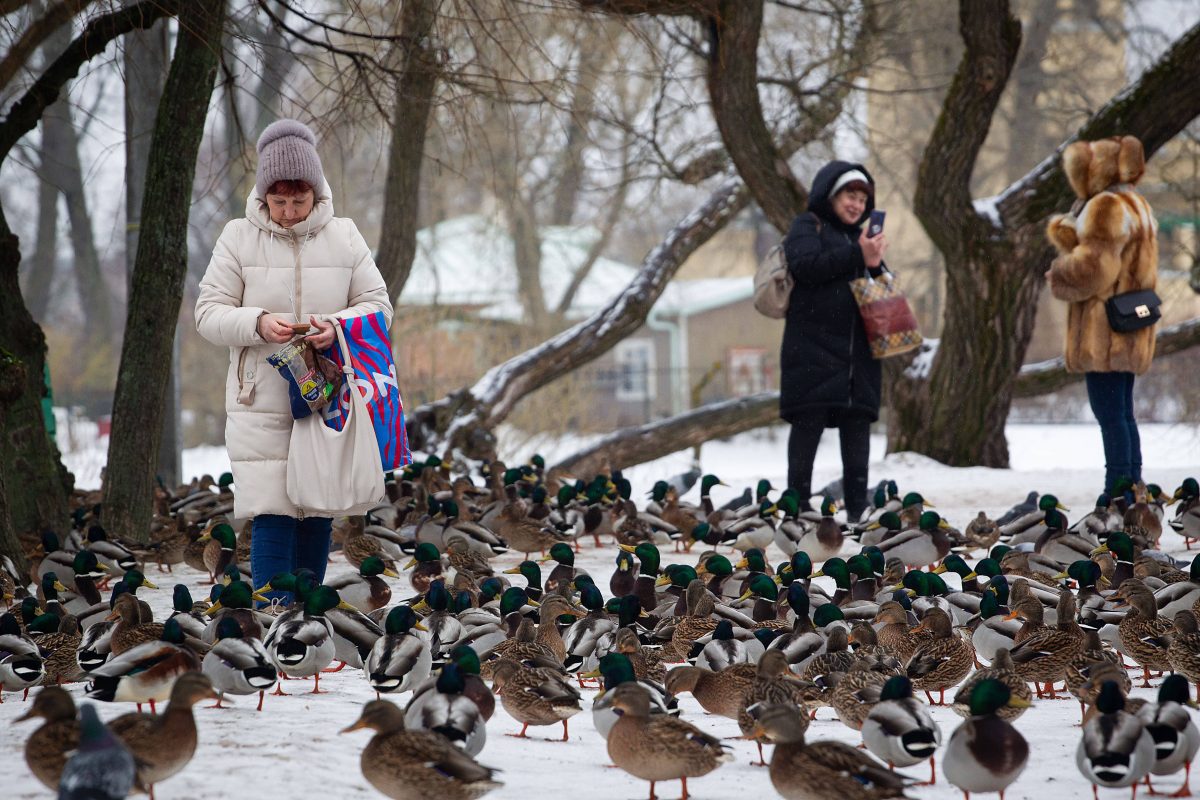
x: 312, y: 378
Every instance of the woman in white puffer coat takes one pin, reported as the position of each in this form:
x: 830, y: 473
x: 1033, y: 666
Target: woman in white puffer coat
x: 288, y: 260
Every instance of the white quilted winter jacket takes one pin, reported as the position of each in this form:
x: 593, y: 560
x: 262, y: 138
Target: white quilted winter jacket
x: 322, y: 262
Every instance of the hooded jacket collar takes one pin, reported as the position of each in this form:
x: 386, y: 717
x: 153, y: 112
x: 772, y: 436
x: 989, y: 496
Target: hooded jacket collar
x: 257, y: 212
x: 819, y: 200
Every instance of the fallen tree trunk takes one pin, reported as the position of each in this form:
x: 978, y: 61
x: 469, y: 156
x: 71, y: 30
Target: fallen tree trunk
x: 654, y: 440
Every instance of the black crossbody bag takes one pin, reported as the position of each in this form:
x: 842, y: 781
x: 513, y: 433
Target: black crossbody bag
x: 1133, y: 311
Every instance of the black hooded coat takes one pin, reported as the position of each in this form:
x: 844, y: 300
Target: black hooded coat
x: 826, y: 365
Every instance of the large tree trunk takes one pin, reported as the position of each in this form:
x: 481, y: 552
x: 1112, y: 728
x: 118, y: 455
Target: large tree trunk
x: 32, y: 473
x: 419, y: 69
x: 10, y: 545
x: 955, y: 410
x: 146, y: 58
x: 159, y: 272
x: 733, y: 33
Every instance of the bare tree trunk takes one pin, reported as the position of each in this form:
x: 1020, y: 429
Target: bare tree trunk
x: 416, y: 83
x: 631, y: 446
x: 994, y: 262
x: 39, y: 279
x: 159, y: 271
x: 10, y: 545
x: 60, y: 166
x: 583, y: 101
x: 146, y: 57
x: 32, y: 473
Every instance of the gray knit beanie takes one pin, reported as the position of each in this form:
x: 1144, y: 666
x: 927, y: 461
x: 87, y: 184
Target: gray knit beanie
x: 287, y: 152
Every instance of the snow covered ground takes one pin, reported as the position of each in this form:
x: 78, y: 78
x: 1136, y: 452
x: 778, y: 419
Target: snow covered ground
x: 293, y: 745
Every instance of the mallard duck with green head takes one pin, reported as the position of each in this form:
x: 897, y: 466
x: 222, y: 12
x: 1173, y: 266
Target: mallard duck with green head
x: 366, y: 590
x: 446, y: 705
x: 1001, y: 669
x: 1186, y: 521
x: 1115, y: 750
x: 21, y: 663
x: 300, y: 640
x: 416, y: 764
x: 825, y: 539
x: 657, y: 747
x: 986, y: 753
x: 146, y: 672
x: 899, y: 730
x: 1176, y: 738
x: 920, y: 546
x: 238, y: 664
x: 236, y: 601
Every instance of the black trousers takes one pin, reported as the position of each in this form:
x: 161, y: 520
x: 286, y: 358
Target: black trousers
x: 854, y: 431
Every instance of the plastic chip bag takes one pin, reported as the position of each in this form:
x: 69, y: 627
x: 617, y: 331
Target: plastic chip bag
x: 313, y: 379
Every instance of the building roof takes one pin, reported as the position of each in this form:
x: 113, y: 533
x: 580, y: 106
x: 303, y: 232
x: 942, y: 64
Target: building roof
x: 468, y: 261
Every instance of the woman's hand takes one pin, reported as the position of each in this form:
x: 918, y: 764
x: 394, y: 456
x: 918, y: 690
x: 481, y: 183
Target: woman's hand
x: 323, y: 339
x: 274, y: 329
x: 873, y: 248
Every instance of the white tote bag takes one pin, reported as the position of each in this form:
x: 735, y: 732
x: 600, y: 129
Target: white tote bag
x: 335, y: 473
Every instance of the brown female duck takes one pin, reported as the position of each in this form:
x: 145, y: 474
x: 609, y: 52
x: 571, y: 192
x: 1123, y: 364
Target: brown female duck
x: 1143, y: 631
x: 46, y: 749
x: 941, y: 662
x: 535, y: 695
x: 414, y: 765
x: 163, y: 744
x: 659, y: 747
x: 719, y: 693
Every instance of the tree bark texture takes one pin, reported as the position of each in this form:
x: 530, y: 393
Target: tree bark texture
x: 159, y: 272
x: 10, y: 545
x: 733, y: 33
x: 416, y: 82
x: 32, y: 472
x: 956, y: 414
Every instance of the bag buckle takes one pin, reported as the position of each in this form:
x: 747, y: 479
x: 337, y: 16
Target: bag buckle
x: 1142, y: 311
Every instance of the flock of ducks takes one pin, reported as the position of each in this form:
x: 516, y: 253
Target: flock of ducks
x: 1042, y: 603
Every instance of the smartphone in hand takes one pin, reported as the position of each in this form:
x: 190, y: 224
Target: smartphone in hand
x: 875, y: 224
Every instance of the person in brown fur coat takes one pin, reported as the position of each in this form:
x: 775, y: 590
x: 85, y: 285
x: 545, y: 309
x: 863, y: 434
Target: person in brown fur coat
x: 1107, y: 246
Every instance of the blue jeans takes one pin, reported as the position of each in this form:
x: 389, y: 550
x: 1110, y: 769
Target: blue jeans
x: 1111, y: 397
x: 282, y: 544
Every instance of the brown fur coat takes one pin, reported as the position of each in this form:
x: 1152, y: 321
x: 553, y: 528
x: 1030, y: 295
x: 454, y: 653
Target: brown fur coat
x: 1110, y: 248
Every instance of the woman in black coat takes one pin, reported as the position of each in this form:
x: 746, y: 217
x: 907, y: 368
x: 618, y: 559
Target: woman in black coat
x: 828, y: 377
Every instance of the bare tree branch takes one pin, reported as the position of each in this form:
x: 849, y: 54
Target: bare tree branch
x: 655, y: 8
x: 1155, y: 108
x: 54, y: 18
x: 24, y: 114
x: 1051, y: 375
x: 637, y: 445
x: 479, y: 409
x: 419, y: 70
